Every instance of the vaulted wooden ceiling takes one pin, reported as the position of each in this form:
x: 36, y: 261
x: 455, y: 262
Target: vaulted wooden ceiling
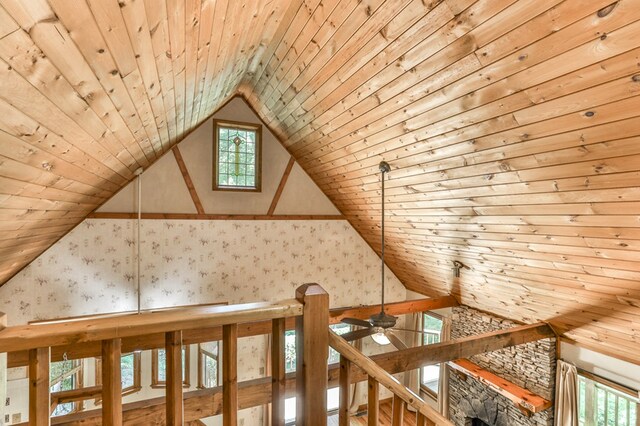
x: 512, y: 128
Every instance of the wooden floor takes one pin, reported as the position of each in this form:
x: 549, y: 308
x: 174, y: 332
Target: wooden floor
x: 384, y: 419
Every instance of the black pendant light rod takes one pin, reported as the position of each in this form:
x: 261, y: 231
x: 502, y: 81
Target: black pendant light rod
x: 384, y: 168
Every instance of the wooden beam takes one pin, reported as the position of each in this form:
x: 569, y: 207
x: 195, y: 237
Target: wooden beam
x: 412, y: 358
x: 173, y: 370
x: 523, y: 398
x: 257, y: 392
x: 383, y: 377
x: 278, y: 376
x: 312, y: 351
x: 74, y: 395
x: 397, y: 412
x: 192, y: 216
x: 283, y: 182
x: 187, y: 179
x: 111, y: 382
x: 230, y: 375
x: 80, y: 331
x: 373, y: 401
x: 39, y: 401
x: 345, y: 391
x: 206, y: 334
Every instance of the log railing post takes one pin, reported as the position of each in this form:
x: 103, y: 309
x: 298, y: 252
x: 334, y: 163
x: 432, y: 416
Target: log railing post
x: 312, y: 353
x: 345, y: 384
x: 230, y: 375
x: 398, y: 411
x: 173, y: 371
x: 373, y: 404
x: 3, y: 370
x: 278, y: 377
x: 39, y: 398
x: 111, y: 382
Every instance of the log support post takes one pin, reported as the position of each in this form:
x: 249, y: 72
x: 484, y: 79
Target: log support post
x: 39, y: 397
x: 278, y: 377
x: 173, y: 369
x: 111, y: 382
x: 312, y: 352
x: 230, y: 375
x: 3, y: 371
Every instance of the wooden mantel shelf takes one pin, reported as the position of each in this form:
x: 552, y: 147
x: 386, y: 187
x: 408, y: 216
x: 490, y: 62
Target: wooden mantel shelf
x: 525, y: 400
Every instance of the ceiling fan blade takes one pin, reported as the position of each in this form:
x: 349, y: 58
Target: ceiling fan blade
x: 356, y: 321
x: 410, y: 331
x: 395, y: 340
x: 358, y: 334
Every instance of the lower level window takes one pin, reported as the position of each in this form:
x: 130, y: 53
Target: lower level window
x: 432, y: 333
x: 333, y: 403
x: 159, y: 367
x: 65, y: 376
x: 602, y: 405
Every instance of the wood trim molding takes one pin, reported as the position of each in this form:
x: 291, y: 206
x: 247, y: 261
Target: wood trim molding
x: 187, y: 179
x: 192, y: 216
x: 283, y: 182
x: 520, y: 396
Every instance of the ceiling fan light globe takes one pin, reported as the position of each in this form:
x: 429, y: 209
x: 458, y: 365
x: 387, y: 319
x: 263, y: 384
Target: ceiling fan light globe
x: 380, y: 338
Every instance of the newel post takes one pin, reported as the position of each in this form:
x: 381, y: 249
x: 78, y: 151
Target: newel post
x: 3, y: 371
x: 312, y: 353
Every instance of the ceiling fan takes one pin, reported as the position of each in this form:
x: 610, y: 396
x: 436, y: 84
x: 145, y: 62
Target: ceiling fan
x: 380, y: 326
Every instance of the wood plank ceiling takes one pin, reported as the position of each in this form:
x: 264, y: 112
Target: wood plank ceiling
x: 512, y: 128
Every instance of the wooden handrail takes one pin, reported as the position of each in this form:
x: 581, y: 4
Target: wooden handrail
x: 56, y: 333
x: 385, y: 379
x: 207, y: 334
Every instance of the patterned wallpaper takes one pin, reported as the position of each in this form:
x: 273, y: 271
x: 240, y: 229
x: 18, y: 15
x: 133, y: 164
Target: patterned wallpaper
x: 92, y: 269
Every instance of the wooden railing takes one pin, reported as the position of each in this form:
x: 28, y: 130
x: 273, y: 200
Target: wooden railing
x: 311, y: 307
x: 402, y: 395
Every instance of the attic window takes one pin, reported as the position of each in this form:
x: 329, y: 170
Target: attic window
x: 237, y: 156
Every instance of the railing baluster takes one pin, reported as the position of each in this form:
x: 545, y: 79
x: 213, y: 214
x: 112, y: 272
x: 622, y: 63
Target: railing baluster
x: 173, y: 372
x: 312, y: 351
x: 373, y: 404
x: 111, y: 383
x: 230, y: 375
x: 278, y: 377
x: 421, y: 420
x: 398, y: 411
x: 345, y: 384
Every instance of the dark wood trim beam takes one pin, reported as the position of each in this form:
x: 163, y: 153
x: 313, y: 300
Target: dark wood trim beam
x: 192, y: 216
x: 187, y: 179
x: 283, y: 182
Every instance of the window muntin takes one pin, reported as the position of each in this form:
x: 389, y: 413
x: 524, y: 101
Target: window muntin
x: 159, y: 365
x: 601, y: 405
x: 432, y: 333
x: 208, y: 365
x: 64, y: 376
x: 237, y: 156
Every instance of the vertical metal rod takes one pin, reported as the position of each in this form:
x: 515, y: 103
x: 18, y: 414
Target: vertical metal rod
x: 382, y: 250
x: 139, y: 179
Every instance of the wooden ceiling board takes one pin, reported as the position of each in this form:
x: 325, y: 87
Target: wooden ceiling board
x: 512, y: 128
